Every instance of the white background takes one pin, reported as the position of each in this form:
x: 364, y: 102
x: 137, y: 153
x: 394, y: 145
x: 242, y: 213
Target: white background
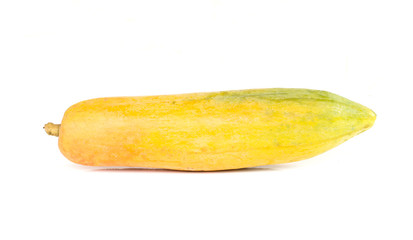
x: 56, y: 53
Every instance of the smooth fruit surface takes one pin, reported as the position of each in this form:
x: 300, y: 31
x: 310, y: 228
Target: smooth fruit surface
x: 210, y: 131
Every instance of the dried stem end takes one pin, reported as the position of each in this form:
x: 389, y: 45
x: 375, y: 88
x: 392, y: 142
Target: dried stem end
x: 52, y: 129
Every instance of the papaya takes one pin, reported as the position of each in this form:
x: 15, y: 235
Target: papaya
x: 208, y: 131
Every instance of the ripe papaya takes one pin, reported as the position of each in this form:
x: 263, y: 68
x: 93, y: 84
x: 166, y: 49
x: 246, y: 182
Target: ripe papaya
x: 208, y: 131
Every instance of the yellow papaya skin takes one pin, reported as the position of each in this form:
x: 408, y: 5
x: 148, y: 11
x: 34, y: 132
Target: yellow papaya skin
x: 210, y: 131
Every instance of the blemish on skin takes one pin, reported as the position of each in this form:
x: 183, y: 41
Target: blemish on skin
x: 269, y: 112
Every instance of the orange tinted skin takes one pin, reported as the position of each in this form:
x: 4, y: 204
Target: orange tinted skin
x: 210, y: 131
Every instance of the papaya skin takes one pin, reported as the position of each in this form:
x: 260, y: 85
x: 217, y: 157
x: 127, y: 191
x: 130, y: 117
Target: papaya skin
x: 209, y: 131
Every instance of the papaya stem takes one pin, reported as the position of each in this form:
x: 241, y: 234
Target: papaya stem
x: 52, y: 129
